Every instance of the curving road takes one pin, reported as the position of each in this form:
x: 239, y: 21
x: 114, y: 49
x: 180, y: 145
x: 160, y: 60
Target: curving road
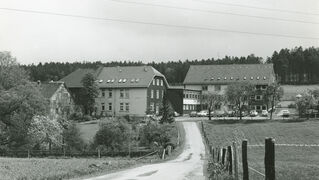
x: 187, y: 166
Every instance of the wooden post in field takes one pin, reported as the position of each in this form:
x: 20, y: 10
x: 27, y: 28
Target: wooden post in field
x: 223, y: 156
x: 244, y: 160
x: 235, y: 160
x: 230, y: 160
x: 213, y: 153
x: 218, y: 155
x: 270, y: 159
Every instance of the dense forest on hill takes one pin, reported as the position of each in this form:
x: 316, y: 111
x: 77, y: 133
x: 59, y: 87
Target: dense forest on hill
x: 295, y: 66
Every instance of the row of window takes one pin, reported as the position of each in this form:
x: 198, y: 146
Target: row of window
x: 124, y: 80
x: 191, y: 96
x: 124, y: 93
x: 231, y: 78
x: 158, y: 82
x: 259, y: 107
x: 123, y: 107
x: 191, y: 107
x: 154, y: 107
x: 158, y: 94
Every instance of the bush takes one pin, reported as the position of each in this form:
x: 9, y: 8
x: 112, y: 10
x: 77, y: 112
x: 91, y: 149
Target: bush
x: 113, y: 135
x: 292, y: 105
x: 86, y: 118
x: 72, y: 138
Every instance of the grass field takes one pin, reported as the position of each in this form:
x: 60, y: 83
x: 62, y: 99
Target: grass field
x: 45, y: 168
x: 290, y: 91
x: 296, y: 163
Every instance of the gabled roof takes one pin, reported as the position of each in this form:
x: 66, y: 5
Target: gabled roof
x: 226, y: 74
x: 74, y: 79
x: 115, y: 77
x: 48, y: 89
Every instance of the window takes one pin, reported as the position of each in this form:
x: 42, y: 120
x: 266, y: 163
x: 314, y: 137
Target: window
x: 127, y: 107
x: 258, y: 97
x: 152, y: 106
x: 122, y: 93
x: 217, y: 87
x: 110, y: 93
x: 264, y: 107
x: 157, y: 82
x: 204, y: 88
x: 154, y: 82
x: 103, y: 93
x: 162, y: 82
x: 152, y: 93
x: 127, y: 93
x: 110, y: 106
x: 264, y: 87
x: 252, y: 97
x: 184, y: 107
x: 121, y: 106
x: 157, y: 94
x: 103, y: 106
x: 258, y: 107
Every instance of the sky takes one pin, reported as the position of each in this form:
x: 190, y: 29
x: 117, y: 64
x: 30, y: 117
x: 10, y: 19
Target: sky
x: 154, y: 30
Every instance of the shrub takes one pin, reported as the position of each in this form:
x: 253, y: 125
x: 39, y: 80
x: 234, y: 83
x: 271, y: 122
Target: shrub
x: 113, y: 135
x: 86, y: 118
x: 72, y: 138
x: 292, y: 105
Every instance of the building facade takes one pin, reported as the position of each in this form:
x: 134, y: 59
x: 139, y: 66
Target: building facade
x: 216, y: 78
x: 130, y: 90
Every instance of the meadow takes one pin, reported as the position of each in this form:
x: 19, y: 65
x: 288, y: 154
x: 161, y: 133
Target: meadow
x: 46, y: 168
x: 293, y: 163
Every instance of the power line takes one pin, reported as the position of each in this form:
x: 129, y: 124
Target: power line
x: 213, y: 12
x: 260, y: 8
x: 156, y: 24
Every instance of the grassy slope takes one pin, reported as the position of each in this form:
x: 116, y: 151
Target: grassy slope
x: 36, y: 168
x: 291, y: 162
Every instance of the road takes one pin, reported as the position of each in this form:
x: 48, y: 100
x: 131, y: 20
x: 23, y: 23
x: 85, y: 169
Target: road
x: 187, y: 166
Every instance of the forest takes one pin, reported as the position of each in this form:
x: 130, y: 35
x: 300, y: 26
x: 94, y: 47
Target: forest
x: 292, y: 66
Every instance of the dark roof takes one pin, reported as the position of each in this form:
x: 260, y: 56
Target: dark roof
x: 74, y: 79
x: 48, y: 89
x: 225, y: 74
x: 115, y: 77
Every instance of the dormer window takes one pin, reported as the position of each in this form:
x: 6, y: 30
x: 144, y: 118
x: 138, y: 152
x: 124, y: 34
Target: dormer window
x: 218, y: 78
x: 212, y: 78
x: 108, y: 81
x: 132, y: 80
x: 112, y: 81
x: 124, y: 80
x: 264, y: 77
x: 251, y: 78
x: 225, y: 78
x: 257, y: 77
x: 100, y: 81
x: 245, y: 78
x: 120, y: 80
x: 137, y: 80
x: 231, y: 78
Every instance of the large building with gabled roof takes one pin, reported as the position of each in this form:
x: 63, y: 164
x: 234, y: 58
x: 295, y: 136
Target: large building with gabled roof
x: 216, y: 78
x: 128, y: 90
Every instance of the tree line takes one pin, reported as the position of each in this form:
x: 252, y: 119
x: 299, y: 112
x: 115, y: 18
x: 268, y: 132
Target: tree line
x: 292, y: 66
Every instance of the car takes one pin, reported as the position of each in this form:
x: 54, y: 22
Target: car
x: 243, y: 114
x: 285, y: 113
x: 219, y: 113
x: 253, y: 113
x: 203, y: 113
x: 264, y: 113
x: 193, y: 114
x: 176, y: 114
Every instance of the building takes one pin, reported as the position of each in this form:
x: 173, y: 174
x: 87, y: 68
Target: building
x: 216, y: 78
x: 60, y: 101
x: 129, y: 90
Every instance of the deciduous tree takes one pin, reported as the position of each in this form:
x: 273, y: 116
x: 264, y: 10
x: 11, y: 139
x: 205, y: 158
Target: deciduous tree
x: 212, y: 100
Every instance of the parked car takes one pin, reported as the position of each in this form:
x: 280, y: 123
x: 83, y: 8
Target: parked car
x: 203, y: 113
x: 193, y: 114
x: 253, y: 113
x: 285, y: 113
x: 176, y: 114
x: 264, y: 113
x: 243, y: 114
x: 219, y: 113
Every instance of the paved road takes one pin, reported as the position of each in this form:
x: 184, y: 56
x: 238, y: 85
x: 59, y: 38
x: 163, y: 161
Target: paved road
x: 187, y: 166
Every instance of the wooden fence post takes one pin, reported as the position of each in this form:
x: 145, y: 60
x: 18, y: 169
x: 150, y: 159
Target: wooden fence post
x: 223, y: 156
x: 235, y: 161
x: 218, y: 155
x: 270, y: 159
x: 244, y: 160
x: 230, y: 160
x: 213, y: 153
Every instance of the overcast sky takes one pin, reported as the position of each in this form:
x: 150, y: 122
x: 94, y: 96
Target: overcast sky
x: 38, y: 37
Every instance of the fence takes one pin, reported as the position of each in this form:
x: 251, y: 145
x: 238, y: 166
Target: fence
x: 228, y: 158
x: 62, y: 153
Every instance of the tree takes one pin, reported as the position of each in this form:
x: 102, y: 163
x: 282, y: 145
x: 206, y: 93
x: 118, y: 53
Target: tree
x: 272, y: 94
x: 45, y: 132
x: 212, y: 100
x: 90, y: 92
x: 239, y: 94
x: 304, y: 103
x: 20, y: 100
x: 167, y: 111
x: 72, y: 137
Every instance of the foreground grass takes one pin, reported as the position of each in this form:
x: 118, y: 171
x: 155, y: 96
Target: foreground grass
x: 44, y: 168
x: 291, y: 162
